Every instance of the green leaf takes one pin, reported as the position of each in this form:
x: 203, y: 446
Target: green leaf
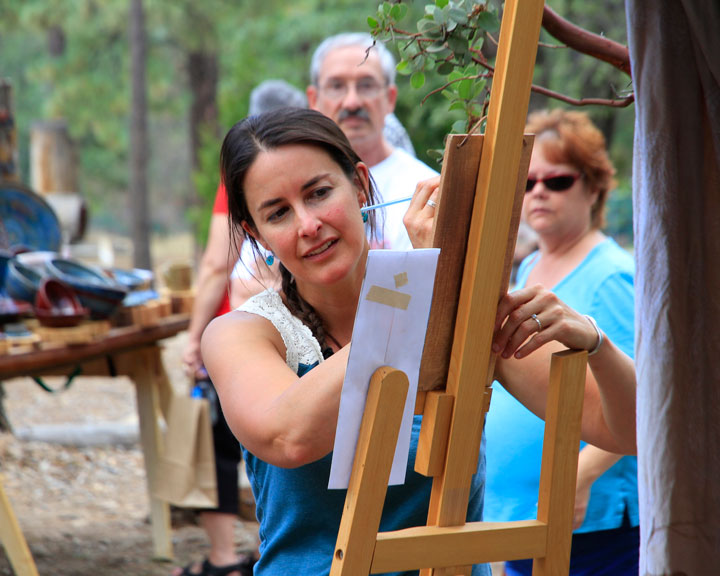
x: 435, y: 47
x: 457, y: 15
x: 465, y: 89
x: 403, y: 67
x: 436, y: 154
x: 457, y: 105
x: 488, y: 21
x: 398, y: 11
x: 372, y: 22
x: 417, y: 80
x: 445, y: 68
x: 426, y: 26
x: 441, y: 3
x: 459, y: 127
x: 387, y: 7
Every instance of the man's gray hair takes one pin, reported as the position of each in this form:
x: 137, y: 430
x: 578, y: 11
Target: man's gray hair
x: 345, y: 39
x: 273, y: 94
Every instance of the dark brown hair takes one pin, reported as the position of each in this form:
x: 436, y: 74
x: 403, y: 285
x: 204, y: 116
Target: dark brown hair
x: 570, y: 137
x: 269, y: 131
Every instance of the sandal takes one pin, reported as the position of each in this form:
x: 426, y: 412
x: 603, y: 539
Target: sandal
x: 244, y: 567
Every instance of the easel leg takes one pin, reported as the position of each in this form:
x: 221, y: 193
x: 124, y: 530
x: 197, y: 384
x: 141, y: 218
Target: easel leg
x: 147, y: 372
x: 558, y: 474
x: 371, y: 471
x: 13, y: 540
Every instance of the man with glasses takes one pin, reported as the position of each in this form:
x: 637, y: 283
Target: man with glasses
x: 353, y: 82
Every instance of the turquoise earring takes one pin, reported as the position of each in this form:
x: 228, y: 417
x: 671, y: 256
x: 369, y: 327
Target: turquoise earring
x: 365, y: 216
x: 270, y: 259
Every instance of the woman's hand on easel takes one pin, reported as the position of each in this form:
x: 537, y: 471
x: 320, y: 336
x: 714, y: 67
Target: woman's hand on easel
x: 531, y: 317
x: 420, y: 215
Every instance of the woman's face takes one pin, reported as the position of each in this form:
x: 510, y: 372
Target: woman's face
x: 307, y: 211
x: 560, y: 213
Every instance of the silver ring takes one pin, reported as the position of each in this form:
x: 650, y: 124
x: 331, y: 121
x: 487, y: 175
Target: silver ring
x: 535, y: 317
x: 432, y: 203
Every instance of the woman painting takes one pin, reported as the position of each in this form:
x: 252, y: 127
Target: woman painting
x: 295, y: 187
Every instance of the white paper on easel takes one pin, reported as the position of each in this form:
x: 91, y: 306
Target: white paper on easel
x: 389, y: 330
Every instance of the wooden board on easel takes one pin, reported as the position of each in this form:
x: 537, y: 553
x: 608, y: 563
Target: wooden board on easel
x: 452, y: 418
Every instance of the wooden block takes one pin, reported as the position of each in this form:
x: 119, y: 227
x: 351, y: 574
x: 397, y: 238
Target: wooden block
x: 83, y: 333
x: 181, y: 301
x: 434, y: 433
x: 450, y: 231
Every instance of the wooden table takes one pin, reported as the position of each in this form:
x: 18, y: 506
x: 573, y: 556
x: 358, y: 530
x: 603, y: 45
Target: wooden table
x: 131, y: 351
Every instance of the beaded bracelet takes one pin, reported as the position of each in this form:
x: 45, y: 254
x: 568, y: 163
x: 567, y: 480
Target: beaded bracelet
x: 601, y: 336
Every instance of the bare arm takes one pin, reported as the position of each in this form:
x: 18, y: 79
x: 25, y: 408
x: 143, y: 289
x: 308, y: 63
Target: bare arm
x: 212, y: 284
x: 609, y: 407
x: 283, y: 419
x: 592, y: 463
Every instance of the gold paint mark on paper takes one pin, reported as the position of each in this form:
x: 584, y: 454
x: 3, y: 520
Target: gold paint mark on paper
x: 401, y: 279
x: 388, y: 297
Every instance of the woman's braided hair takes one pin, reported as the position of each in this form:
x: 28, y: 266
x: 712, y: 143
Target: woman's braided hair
x: 270, y: 131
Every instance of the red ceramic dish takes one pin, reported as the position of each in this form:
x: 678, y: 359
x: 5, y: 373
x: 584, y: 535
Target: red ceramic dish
x: 57, y: 304
x: 57, y: 297
x: 60, y: 320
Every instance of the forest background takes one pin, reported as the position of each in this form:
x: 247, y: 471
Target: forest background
x: 71, y: 59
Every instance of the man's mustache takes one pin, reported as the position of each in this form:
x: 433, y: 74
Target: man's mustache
x: 360, y: 113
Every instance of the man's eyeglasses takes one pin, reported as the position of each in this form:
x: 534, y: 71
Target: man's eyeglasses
x: 558, y: 183
x: 364, y: 88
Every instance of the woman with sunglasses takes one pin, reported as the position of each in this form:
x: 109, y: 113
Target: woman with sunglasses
x: 569, y: 180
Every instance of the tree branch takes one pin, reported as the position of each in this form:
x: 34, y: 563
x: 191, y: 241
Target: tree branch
x: 586, y: 42
x: 613, y: 103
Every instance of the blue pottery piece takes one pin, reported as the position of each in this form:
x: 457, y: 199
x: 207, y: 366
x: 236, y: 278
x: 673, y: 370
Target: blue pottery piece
x: 21, y: 282
x: 4, y: 259
x: 28, y: 219
x: 135, y: 279
x: 96, y: 291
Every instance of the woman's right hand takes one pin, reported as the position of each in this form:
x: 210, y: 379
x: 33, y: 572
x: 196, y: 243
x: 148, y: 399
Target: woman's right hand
x: 420, y: 216
x: 529, y: 318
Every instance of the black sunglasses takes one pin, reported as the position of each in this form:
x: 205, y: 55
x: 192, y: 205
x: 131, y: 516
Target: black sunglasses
x: 558, y: 183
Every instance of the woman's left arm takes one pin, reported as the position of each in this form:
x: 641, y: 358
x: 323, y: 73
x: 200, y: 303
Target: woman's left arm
x: 609, y: 406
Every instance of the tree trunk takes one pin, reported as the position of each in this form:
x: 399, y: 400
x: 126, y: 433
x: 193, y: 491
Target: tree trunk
x: 9, y: 169
x: 139, y: 205
x: 53, y: 159
x: 203, y: 79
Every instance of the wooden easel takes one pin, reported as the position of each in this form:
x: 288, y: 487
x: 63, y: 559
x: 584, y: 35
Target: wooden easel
x: 12, y: 539
x: 452, y: 418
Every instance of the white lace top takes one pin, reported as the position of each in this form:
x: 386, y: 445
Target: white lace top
x: 302, y: 347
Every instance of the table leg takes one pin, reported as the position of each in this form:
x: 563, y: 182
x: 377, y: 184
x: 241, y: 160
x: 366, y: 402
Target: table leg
x: 146, y: 369
x: 13, y: 540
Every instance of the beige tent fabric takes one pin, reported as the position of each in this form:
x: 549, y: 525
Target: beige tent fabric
x: 675, y: 56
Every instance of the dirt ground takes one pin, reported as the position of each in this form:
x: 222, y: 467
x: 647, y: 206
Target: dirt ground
x: 84, y: 509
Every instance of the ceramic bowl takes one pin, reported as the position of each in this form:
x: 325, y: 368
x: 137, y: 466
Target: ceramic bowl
x: 21, y: 282
x: 96, y: 290
x: 56, y: 297
x: 36, y: 259
x: 5, y: 256
x: 52, y: 320
x: 135, y: 279
x: 11, y: 310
